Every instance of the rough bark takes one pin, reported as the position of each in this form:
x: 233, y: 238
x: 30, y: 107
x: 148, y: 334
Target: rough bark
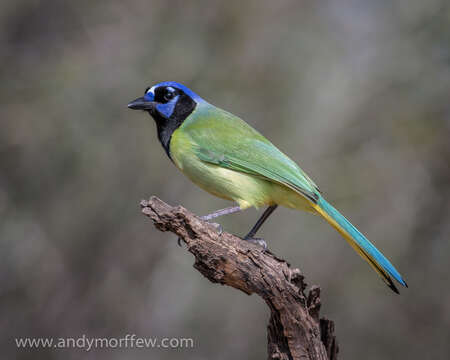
x: 295, y: 330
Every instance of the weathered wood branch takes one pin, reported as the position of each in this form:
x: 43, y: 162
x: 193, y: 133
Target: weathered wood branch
x: 295, y: 330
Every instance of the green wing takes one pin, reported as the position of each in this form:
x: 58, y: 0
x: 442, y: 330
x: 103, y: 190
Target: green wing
x: 223, y: 139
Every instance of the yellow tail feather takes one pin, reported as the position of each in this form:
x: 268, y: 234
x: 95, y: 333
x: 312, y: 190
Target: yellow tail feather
x: 383, y: 274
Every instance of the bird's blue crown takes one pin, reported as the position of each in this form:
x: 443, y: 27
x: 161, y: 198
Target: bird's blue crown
x: 182, y: 87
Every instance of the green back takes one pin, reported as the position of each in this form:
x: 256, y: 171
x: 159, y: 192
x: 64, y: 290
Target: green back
x: 225, y: 140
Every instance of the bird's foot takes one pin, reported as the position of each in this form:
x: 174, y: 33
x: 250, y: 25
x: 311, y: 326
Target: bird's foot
x: 256, y: 241
x: 217, y: 226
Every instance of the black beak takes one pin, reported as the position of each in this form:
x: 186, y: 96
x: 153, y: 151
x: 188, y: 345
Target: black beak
x: 141, y: 104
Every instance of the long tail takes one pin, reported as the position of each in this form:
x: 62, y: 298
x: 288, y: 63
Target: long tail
x: 359, y: 242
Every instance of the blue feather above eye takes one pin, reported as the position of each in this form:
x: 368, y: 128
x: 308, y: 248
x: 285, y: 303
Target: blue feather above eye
x: 167, y: 109
x: 185, y: 89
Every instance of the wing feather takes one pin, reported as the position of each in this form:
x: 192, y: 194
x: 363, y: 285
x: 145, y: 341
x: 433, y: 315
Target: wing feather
x: 227, y: 141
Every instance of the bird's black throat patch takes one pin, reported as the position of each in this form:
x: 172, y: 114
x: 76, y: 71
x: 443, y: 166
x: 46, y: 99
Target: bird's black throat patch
x: 166, y: 126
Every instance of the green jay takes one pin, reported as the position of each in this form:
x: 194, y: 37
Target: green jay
x: 225, y: 156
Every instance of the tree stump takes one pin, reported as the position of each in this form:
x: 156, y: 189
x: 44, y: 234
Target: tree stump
x: 295, y: 330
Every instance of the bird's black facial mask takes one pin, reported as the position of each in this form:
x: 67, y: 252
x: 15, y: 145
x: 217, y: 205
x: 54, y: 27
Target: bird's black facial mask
x: 169, y: 107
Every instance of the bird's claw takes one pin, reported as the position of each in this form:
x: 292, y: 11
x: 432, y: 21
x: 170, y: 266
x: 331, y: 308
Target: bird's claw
x: 257, y: 241
x: 218, y: 227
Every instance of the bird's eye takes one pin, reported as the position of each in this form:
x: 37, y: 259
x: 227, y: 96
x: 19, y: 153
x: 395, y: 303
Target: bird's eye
x: 169, y: 94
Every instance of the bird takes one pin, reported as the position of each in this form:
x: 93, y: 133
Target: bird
x: 224, y: 155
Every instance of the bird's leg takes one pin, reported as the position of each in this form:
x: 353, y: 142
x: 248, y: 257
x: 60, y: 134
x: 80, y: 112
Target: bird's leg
x: 221, y: 212
x: 250, y: 236
x: 226, y: 211
x: 215, y: 214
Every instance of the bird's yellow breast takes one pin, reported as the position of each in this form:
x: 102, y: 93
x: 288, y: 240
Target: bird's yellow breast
x: 247, y: 190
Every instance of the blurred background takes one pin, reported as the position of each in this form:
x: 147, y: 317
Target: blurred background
x: 357, y: 92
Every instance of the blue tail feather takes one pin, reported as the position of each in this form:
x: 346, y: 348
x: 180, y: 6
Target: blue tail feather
x: 361, y: 240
